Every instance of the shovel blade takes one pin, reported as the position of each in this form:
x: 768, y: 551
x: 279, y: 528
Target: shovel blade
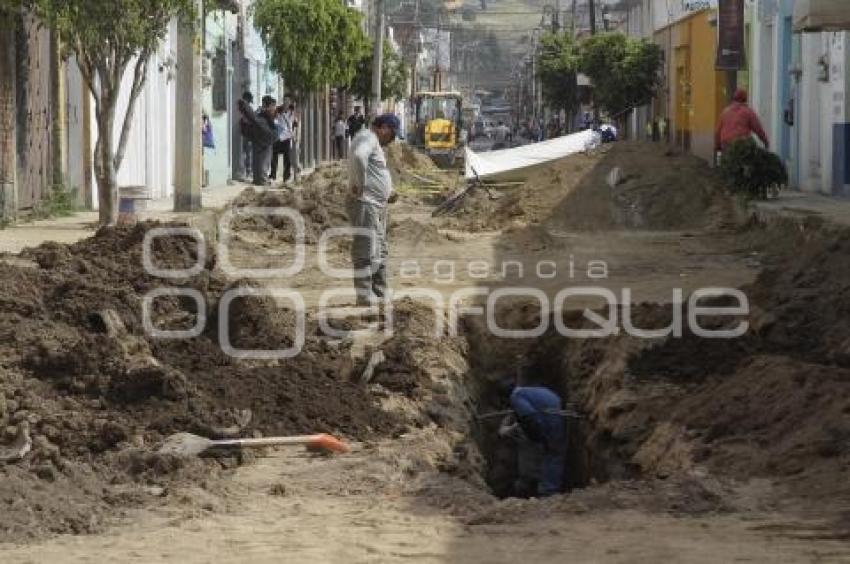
x: 185, y: 444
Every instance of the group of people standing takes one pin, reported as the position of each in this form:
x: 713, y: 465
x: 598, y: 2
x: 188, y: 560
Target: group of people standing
x: 344, y: 130
x: 268, y: 133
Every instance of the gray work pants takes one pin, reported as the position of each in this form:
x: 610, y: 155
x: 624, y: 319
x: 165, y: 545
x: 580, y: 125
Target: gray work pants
x: 247, y: 153
x: 261, y: 160
x: 369, y: 252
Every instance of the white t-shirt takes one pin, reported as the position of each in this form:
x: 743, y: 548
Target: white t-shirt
x: 285, y: 120
x: 339, y: 128
x: 367, y: 169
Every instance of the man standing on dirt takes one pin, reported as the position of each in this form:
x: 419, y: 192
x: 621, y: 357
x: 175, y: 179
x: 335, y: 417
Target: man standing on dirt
x: 738, y: 121
x: 371, y: 191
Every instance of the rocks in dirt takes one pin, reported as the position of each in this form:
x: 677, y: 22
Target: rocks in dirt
x: 21, y: 445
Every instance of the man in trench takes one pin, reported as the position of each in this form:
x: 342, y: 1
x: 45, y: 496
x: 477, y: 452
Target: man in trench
x: 371, y: 191
x: 541, y: 440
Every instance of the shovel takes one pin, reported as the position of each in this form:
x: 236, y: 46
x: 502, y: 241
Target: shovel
x: 187, y: 444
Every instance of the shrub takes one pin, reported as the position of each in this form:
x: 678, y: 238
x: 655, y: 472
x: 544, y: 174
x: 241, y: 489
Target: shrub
x: 752, y: 171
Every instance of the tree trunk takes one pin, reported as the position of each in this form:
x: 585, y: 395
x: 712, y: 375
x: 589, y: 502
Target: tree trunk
x: 104, y: 165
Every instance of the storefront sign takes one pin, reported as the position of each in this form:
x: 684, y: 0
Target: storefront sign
x: 730, y: 35
x: 697, y: 5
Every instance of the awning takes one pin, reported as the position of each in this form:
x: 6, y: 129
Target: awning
x: 821, y: 15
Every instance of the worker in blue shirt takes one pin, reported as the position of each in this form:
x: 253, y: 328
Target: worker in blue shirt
x: 543, y: 439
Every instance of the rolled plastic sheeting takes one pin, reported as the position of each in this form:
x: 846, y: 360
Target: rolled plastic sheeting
x: 517, y: 163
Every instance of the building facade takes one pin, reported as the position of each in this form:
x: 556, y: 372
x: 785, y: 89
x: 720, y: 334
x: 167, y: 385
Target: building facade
x: 797, y: 73
x: 800, y: 81
x: 54, y: 128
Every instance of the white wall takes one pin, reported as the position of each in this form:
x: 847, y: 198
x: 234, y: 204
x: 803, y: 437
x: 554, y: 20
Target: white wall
x: 149, y: 156
x: 822, y: 105
x: 763, y: 70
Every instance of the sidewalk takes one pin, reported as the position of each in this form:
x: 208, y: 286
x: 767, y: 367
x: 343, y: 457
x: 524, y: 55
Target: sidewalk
x: 83, y: 224
x: 806, y: 205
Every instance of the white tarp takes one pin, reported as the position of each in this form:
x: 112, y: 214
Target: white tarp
x: 516, y: 163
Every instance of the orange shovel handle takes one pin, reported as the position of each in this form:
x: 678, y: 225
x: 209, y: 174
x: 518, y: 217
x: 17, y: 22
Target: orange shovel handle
x: 320, y: 441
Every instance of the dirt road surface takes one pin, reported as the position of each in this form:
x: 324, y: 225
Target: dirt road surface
x: 292, y: 508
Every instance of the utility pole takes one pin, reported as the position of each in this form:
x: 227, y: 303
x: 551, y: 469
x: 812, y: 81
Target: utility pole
x: 591, y: 4
x: 556, y: 17
x: 573, y: 19
x: 378, y: 57
x: 187, y: 142
x: 8, y: 120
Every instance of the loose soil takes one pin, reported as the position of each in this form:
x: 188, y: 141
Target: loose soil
x: 98, y: 398
x: 655, y: 189
x: 688, y: 449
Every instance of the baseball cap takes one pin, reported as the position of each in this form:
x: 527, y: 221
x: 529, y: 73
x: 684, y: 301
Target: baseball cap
x: 390, y: 120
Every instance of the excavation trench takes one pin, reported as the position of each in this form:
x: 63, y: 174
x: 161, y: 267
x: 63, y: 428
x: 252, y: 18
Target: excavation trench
x: 591, y: 453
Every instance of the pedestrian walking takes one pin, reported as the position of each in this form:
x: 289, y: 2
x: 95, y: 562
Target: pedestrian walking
x: 261, y: 131
x: 244, y: 130
x: 285, y: 126
x: 340, y: 130
x: 371, y: 191
x: 356, y: 122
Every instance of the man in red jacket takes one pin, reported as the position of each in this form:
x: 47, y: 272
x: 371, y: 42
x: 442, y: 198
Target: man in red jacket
x: 738, y: 121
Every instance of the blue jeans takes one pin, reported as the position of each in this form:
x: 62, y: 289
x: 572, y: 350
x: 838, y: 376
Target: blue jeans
x: 552, y: 449
x: 551, y: 474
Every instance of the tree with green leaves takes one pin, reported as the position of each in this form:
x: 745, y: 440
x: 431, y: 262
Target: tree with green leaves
x: 624, y: 71
x: 393, y: 77
x: 106, y: 39
x: 312, y: 43
x: 558, y: 63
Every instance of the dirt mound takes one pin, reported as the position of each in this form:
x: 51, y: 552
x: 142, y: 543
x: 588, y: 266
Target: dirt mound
x: 98, y: 394
x: 402, y: 158
x: 628, y: 185
x: 320, y: 200
x: 414, y: 232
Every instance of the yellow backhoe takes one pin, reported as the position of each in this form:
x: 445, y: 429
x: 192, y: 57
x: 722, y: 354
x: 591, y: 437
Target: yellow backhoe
x: 439, y: 127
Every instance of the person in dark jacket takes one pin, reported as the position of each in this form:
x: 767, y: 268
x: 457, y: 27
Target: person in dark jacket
x: 262, y: 134
x: 538, y: 427
x: 244, y: 130
x: 356, y: 122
